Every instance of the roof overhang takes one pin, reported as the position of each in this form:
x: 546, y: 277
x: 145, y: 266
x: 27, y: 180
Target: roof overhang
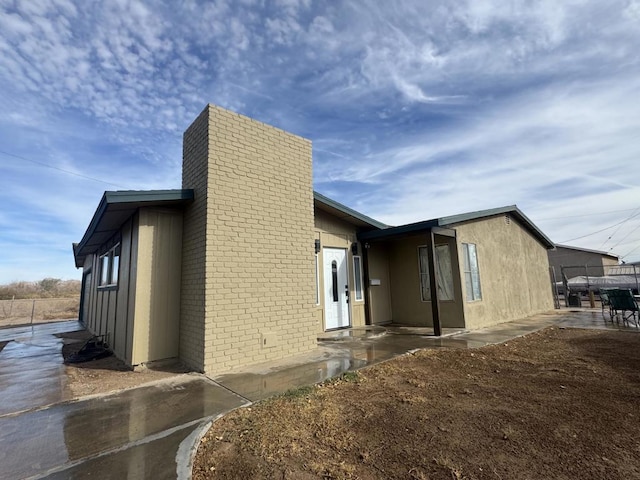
x: 345, y: 213
x: 115, y: 208
x: 446, y: 225
x: 588, y: 250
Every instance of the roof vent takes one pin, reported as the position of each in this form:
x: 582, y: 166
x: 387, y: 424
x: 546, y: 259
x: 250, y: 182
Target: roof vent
x: 507, y: 219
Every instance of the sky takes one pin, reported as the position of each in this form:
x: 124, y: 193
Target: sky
x: 416, y: 109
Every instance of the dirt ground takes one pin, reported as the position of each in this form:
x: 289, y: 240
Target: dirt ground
x: 556, y: 404
x: 107, y: 374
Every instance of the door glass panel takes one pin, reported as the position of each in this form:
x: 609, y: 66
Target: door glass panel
x: 334, y: 279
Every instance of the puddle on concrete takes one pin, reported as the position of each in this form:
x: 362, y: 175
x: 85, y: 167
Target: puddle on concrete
x: 124, y: 432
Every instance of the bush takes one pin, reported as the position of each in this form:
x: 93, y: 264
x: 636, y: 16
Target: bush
x: 45, y: 288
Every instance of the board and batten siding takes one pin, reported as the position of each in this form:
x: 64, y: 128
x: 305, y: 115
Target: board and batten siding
x: 139, y: 318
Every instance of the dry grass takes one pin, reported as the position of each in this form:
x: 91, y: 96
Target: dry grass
x: 38, y: 310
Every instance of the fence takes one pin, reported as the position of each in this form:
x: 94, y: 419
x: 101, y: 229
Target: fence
x: 39, y: 310
x: 577, y: 280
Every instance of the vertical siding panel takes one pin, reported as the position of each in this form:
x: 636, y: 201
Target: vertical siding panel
x: 120, y: 338
x: 133, y: 274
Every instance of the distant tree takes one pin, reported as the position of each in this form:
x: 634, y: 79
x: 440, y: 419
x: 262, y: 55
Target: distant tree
x: 49, y: 285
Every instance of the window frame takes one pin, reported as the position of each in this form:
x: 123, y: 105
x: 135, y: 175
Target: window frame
x: 424, y: 276
x: 109, y: 263
x: 471, y: 295
x: 358, y: 282
x: 317, y: 279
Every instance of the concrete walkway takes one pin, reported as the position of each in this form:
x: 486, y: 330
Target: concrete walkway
x: 152, y: 431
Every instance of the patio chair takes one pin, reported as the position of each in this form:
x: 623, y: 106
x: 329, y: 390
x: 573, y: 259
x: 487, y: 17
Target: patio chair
x: 605, y: 303
x: 624, y: 305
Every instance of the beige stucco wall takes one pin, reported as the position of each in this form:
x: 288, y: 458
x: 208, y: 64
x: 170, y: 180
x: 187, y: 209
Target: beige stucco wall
x: 406, y: 301
x: 336, y: 233
x: 157, y: 300
x: 514, y: 271
x: 248, y: 283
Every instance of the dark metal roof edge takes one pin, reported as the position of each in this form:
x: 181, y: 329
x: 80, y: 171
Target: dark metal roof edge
x: 512, y: 209
x: 461, y: 218
x: 129, y: 196
x: 348, y: 211
x: 589, y: 250
x: 399, y: 230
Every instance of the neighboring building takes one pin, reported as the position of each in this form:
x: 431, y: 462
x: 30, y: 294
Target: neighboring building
x: 580, y: 261
x: 246, y: 263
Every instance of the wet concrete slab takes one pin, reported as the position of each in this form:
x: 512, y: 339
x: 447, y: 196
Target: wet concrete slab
x: 31, y: 366
x: 360, y: 349
x: 132, y: 434
x: 39, y: 329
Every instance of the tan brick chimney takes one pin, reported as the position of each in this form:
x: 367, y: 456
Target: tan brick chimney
x: 248, y: 278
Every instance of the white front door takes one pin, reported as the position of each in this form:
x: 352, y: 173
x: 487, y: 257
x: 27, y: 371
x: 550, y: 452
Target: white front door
x: 336, y: 288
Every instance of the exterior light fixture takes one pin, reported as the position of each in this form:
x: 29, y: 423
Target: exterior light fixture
x: 354, y: 248
x: 317, y: 244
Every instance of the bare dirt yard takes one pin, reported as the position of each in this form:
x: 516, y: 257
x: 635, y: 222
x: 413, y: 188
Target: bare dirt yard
x: 107, y: 374
x: 556, y: 404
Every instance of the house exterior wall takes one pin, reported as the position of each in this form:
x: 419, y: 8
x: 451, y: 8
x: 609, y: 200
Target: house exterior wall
x: 336, y: 233
x: 406, y: 300
x: 248, y: 279
x: 139, y: 317
x: 107, y: 312
x: 569, y: 257
x: 514, y: 271
x: 379, y: 295
x: 157, y: 300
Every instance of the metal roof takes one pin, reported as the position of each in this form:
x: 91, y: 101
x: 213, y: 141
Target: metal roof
x: 451, y: 221
x: 579, y: 249
x: 345, y: 213
x: 115, y: 208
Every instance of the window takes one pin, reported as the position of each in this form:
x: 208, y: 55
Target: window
x: 110, y: 267
x: 471, y: 272
x: 445, y: 273
x: 357, y: 275
x: 334, y: 280
x: 104, y: 270
x: 317, y: 282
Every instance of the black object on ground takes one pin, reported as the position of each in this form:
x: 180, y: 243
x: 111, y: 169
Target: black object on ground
x: 93, y: 349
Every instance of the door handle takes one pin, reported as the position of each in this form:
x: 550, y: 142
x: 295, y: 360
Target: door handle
x: 346, y: 291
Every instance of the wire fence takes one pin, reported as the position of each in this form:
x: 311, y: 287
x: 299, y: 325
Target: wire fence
x: 39, y: 310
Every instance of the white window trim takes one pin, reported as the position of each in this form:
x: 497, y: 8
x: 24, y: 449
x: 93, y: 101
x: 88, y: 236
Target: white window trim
x: 468, y: 271
x: 109, y: 255
x: 317, y: 280
x: 355, y: 280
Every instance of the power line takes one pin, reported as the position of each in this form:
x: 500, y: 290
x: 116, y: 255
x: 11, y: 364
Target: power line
x: 598, y: 231
x: 588, y: 214
x: 624, y: 238
x: 60, y: 169
x: 617, y: 229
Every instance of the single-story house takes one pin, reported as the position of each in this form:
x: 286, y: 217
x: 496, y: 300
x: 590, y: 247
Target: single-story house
x: 575, y: 261
x: 246, y: 263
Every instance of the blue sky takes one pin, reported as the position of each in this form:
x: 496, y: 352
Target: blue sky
x: 416, y: 109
